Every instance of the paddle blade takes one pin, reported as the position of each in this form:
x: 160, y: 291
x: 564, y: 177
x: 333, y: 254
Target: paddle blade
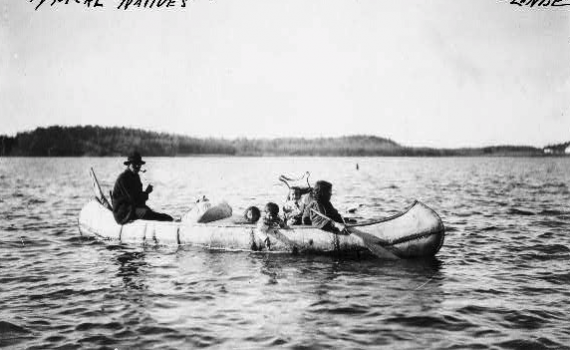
x: 374, y: 244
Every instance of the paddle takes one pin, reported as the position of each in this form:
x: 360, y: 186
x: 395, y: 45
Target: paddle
x: 373, y: 243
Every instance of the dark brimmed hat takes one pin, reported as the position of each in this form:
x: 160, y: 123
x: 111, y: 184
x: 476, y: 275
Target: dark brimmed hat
x: 134, y: 158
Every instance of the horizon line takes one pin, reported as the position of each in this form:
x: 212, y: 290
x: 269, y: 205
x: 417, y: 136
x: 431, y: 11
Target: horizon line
x: 235, y: 138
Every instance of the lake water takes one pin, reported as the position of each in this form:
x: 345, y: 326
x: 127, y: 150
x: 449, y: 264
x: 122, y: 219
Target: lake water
x: 501, y: 280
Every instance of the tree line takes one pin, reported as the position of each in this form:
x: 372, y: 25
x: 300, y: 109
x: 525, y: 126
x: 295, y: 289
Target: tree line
x: 60, y: 141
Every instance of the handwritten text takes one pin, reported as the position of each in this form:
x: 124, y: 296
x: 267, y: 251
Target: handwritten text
x: 125, y: 4
x: 532, y: 3
x: 88, y: 3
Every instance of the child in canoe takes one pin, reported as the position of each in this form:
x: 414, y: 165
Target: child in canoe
x: 252, y: 215
x: 271, y: 217
x: 295, y: 205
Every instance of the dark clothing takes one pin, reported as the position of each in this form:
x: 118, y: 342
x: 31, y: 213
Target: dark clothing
x: 128, y: 195
x: 152, y: 215
x: 310, y: 218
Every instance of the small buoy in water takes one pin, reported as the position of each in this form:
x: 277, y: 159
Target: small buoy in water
x: 357, y: 167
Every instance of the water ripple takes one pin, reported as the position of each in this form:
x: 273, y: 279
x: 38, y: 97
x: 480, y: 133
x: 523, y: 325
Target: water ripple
x: 499, y: 282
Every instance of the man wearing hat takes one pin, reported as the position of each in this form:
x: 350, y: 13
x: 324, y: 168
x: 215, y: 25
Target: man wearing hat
x: 129, y: 199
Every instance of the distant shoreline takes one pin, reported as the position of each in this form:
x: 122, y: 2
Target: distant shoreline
x: 95, y: 141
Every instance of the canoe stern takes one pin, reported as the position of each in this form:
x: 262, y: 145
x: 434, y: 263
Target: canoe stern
x: 416, y: 232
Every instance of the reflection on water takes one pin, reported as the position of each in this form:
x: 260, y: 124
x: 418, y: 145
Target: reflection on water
x: 499, y: 282
x: 131, y: 269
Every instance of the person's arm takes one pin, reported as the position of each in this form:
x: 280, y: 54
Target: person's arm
x: 337, y: 217
x: 334, y: 214
x: 120, y: 196
x: 320, y: 217
x: 140, y: 197
x: 317, y: 220
x: 337, y: 224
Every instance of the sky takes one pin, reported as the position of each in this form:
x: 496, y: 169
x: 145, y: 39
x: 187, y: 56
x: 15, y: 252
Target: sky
x: 438, y: 73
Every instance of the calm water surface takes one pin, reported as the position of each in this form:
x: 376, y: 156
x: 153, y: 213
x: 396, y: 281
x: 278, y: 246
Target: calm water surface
x: 501, y: 280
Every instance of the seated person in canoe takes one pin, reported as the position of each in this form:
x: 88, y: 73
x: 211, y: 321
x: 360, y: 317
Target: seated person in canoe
x: 320, y: 212
x: 271, y: 217
x: 297, y: 198
x: 295, y: 205
x: 252, y: 215
x: 129, y: 199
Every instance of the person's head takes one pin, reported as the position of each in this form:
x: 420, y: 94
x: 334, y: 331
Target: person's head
x: 295, y: 193
x: 252, y: 214
x: 134, y: 162
x: 322, y: 191
x: 271, y: 211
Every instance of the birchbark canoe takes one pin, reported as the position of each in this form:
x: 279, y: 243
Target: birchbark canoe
x: 415, y: 232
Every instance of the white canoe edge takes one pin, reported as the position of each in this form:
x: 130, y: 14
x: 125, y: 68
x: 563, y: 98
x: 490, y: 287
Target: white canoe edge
x: 416, y: 232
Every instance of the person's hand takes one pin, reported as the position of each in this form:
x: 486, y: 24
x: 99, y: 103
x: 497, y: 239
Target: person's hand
x: 340, y: 228
x: 148, y: 189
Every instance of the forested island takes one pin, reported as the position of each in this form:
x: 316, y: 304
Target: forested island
x: 59, y: 141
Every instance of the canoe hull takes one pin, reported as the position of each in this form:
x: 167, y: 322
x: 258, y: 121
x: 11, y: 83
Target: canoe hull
x: 417, y: 232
